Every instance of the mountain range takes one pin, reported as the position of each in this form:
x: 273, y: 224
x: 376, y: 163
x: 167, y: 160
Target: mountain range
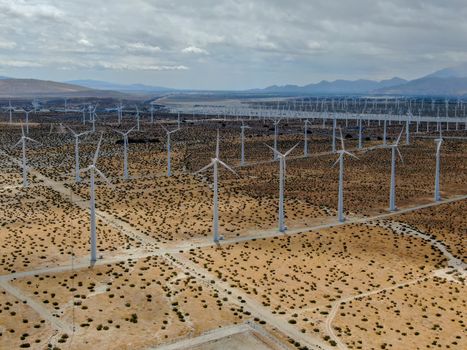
x: 445, y: 82
x: 126, y: 88
x: 360, y: 86
x: 31, y: 88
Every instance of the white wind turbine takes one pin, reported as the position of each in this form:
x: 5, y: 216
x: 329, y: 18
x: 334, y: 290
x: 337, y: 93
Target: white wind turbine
x: 119, y: 110
x: 215, y: 164
x: 282, y: 169
x: 340, y: 160
x: 305, y: 138
x: 125, y: 151
x: 23, y: 140
x: 169, y: 150
x: 385, y: 132
x: 392, y: 189
x: 334, y: 124
x: 152, y: 113
x: 92, y: 203
x: 360, y: 135
x: 11, y: 110
x: 27, y: 120
x: 438, y: 141
x: 242, y: 139
x: 93, y: 119
x: 77, y: 136
x: 276, y: 133
x: 83, y: 111
x: 137, y: 119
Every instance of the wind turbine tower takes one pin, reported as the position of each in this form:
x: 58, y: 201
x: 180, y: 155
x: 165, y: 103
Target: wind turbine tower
x: 77, y: 136
x: 340, y: 198
x: 92, y: 203
x: 242, y: 139
x: 125, y: 151
x: 438, y: 141
x: 282, y: 168
x: 169, y: 150
x: 23, y: 140
x: 392, y: 189
x: 214, y: 164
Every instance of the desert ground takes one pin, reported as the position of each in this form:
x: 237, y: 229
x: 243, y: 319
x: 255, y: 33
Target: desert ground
x: 379, y: 280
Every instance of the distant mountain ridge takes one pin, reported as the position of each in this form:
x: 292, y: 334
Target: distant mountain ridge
x: 429, y: 85
x: 450, y: 81
x: 104, y: 85
x: 459, y: 71
x: 360, y: 86
x: 44, y: 88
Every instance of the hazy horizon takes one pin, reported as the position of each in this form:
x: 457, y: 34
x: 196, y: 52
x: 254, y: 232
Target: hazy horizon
x: 229, y: 45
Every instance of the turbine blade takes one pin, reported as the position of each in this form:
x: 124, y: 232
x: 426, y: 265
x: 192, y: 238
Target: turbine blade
x: 205, y: 168
x: 30, y: 139
x: 227, y: 167
x: 290, y: 150
x: 104, y: 177
x: 399, y: 138
x: 217, y: 145
x: 274, y: 150
x: 18, y: 143
x: 85, y: 169
x: 342, y: 139
x: 163, y: 127
x: 400, y: 155
x: 351, y: 154
x: 337, y: 161
x: 94, y: 161
x: 438, y: 146
x: 71, y: 130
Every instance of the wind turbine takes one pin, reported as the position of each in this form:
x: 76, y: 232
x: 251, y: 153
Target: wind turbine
x: 384, y: 132
x: 93, y: 119
x: 360, y: 136
x: 334, y: 124
x: 242, y: 138
x: 84, y: 114
x: 305, y: 139
x: 77, y: 136
x: 152, y: 113
x: 137, y: 119
x: 125, y: 151
x: 92, y: 203
x: 27, y: 120
x: 438, y: 141
x: 169, y: 167
x: 340, y: 160
x: 119, y: 110
x: 10, y: 109
x: 276, y: 132
x: 23, y: 140
x: 282, y: 167
x: 392, y: 190
x: 215, y: 164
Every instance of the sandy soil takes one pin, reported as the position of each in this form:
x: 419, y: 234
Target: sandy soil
x: 421, y: 316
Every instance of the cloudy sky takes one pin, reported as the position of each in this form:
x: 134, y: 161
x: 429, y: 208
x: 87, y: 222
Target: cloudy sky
x: 229, y: 44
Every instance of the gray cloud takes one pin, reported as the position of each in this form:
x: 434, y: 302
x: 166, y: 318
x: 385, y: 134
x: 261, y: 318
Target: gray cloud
x: 229, y: 43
